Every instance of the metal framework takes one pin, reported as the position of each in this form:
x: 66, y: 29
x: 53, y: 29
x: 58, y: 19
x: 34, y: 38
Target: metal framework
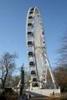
x: 39, y: 65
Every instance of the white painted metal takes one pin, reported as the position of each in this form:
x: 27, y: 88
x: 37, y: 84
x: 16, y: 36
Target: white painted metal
x: 38, y: 62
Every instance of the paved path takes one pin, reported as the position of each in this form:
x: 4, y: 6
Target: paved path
x: 39, y: 98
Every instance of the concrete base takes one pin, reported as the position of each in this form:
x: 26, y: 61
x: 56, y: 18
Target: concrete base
x: 44, y: 92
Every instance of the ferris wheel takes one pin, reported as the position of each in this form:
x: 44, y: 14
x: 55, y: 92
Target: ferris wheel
x: 39, y: 65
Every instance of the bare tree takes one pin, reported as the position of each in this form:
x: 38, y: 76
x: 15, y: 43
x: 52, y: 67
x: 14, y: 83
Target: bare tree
x: 61, y: 78
x: 61, y: 70
x: 7, y: 65
x: 15, y: 80
x: 63, y: 52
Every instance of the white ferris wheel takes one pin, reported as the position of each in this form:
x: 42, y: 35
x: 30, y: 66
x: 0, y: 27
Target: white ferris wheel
x: 40, y: 69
